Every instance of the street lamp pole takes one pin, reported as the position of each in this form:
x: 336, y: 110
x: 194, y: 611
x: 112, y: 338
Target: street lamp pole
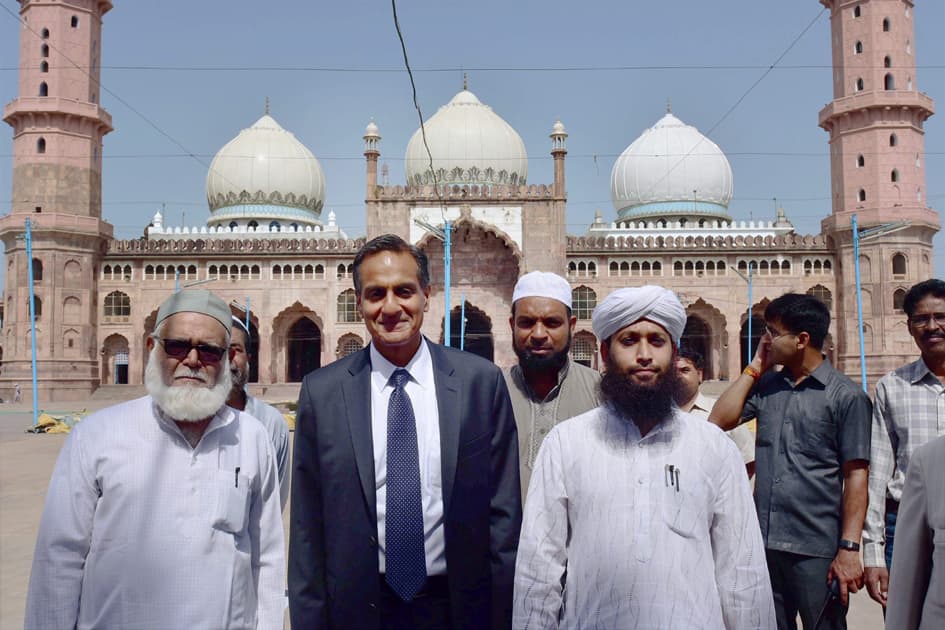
x: 29, y: 264
x: 748, y: 280
x: 444, y: 235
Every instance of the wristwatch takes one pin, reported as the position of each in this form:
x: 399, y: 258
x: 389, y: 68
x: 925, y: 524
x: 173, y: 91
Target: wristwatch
x: 849, y: 545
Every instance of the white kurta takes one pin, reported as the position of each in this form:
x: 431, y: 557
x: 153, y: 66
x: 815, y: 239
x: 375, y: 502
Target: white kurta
x: 278, y: 430
x: 140, y: 530
x: 643, y: 547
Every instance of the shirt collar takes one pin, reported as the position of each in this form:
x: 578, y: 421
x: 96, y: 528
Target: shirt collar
x: 821, y: 374
x: 703, y: 403
x: 667, y: 431
x: 420, y: 368
x: 224, y: 416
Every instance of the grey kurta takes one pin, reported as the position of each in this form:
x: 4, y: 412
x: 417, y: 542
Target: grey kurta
x: 576, y: 393
x: 917, y: 579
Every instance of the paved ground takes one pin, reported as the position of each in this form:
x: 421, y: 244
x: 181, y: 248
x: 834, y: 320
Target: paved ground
x: 26, y: 462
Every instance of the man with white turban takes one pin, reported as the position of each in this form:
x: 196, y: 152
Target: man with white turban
x: 639, y: 515
x: 163, y: 512
x: 545, y: 386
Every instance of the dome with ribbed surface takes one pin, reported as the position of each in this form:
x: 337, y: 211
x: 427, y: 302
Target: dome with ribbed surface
x: 671, y: 171
x: 265, y: 166
x: 470, y: 144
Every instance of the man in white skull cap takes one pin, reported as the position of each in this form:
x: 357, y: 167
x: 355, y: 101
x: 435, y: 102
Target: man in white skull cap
x: 546, y: 386
x: 639, y: 515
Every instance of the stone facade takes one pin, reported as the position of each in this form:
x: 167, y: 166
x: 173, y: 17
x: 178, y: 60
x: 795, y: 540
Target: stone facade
x: 99, y: 296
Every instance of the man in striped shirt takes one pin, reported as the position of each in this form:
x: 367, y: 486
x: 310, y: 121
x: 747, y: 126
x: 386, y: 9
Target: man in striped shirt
x: 909, y: 410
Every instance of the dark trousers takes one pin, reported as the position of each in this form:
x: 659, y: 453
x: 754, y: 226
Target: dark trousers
x: 800, y: 588
x: 428, y: 610
x: 890, y: 534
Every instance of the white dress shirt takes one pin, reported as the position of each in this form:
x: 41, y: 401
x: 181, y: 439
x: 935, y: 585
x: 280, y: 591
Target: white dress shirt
x: 141, y: 530
x: 640, y: 546
x: 421, y: 389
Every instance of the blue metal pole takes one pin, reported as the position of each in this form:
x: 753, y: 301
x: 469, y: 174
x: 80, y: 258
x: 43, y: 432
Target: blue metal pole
x: 462, y: 322
x: 176, y: 279
x: 446, y: 282
x: 859, y: 299
x: 29, y: 262
x: 750, y: 357
x: 247, y: 320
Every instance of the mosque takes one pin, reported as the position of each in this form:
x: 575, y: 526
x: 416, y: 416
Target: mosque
x: 267, y: 246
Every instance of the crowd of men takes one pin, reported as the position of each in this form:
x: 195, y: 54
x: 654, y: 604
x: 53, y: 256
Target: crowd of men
x: 412, y: 462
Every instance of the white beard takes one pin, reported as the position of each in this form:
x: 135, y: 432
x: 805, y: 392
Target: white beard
x: 187, y: 403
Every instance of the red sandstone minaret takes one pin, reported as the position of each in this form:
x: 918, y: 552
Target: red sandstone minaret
x: 58, y: 125
x: 877, y: 171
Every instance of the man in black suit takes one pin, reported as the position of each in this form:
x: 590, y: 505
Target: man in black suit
x: 406, y: 504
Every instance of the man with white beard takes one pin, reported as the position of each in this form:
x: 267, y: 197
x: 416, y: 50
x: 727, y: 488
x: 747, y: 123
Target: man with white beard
x: 163, y: 512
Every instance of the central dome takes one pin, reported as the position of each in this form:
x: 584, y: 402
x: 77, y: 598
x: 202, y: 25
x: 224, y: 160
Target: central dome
x: 671, y: 171
x: 265, y: 173
x: 470, y: 144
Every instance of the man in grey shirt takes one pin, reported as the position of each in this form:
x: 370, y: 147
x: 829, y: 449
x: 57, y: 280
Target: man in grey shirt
x: 270, y: 417
x: 812, y: 455
x: 546, y: 386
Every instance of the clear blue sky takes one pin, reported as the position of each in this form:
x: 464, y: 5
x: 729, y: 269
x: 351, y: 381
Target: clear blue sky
x: 771, y: 139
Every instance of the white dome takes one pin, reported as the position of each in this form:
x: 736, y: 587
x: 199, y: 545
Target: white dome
x: 470, y: 144
x: 265, y: 166
x: 671, y: 169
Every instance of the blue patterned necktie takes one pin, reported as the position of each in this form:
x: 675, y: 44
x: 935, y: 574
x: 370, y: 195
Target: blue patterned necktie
x: 406, y: 560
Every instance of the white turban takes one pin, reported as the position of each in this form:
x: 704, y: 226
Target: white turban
x: 627, y: 306
x: 542, y: 284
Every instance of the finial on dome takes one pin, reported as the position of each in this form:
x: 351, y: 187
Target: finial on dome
x: 669, y: 109
x: 267, y: 106
x: 465, y: 82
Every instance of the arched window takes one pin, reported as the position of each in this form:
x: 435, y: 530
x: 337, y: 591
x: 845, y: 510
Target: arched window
x: 899, y: 297
x: 348, y: 307
x: 274, y: 226
x: 234, y: 225
x: 349, y: 345
x: 886, y: 25
x: 44, y: 67
x: 319, y: 271
x: 277, y: 272
x: 75, y: 21
x: 657, y: 269
x: 889, y: 83
x: 117, y: 305
x: 44, y: 51
x: 856, y: 11
x: 858, y: 48
x: 583, y: 302
x: 253, y: 224
x: 592, y: 269
x: 37, y: 270
x: 37, y: 306
x: 887, y: 61
x: 211, y: 272
x: 785, y: 267
x: 149, y: 272
x: 583, y: 350
x: 899, y: 265
x: 43, y: 89
x: 341, y: 272
x: 860, y: 161
x: 192, y: 272
x: 894, y: 176
x: 860, y: 85
x: 614, y: 268
x: 255, y: 272
x: 244, y: 271
x: 677, y: 268
x: 41, y: 145
x: 861, y: 195
x: 823, y: 294
x: 126, y: 272
x: 45, y: 33
x: 893, y: 140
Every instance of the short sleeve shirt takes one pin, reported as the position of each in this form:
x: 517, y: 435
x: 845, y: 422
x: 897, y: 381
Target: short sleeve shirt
x: 806, y: 433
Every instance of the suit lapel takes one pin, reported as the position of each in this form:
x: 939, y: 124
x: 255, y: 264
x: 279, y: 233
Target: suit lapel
x: 357, y: 397
x: 448, y: 409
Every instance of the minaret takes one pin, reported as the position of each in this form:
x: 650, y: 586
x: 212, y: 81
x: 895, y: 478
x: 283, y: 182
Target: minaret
x: 558, y: 151
x: 372, y: 138
x: 877, y: 169
x: 58, y: 125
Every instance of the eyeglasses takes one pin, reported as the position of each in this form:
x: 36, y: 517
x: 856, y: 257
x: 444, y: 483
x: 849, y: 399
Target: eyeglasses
x: 180, y: 348
x: 924, y: 321
x: 775, y: 334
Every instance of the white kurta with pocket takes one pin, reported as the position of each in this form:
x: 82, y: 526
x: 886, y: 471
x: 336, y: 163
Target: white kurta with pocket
x: 140, y: 530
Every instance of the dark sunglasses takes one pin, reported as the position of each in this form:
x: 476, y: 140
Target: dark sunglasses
x: 180, y: 348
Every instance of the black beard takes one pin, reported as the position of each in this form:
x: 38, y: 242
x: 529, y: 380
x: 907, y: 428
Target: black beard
x: 532, y: 363
x: 644, y: 405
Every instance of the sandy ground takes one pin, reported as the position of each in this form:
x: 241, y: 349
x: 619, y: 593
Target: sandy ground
x: 26, y: 463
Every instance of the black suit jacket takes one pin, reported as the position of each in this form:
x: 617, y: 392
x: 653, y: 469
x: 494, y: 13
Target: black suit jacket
x: 333, y: 555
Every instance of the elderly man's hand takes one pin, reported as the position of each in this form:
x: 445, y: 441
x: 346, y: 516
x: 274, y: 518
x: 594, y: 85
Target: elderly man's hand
x: 848, y: 570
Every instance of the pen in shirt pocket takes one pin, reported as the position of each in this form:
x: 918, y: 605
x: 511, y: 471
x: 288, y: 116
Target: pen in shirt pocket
x: 237, y: 477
